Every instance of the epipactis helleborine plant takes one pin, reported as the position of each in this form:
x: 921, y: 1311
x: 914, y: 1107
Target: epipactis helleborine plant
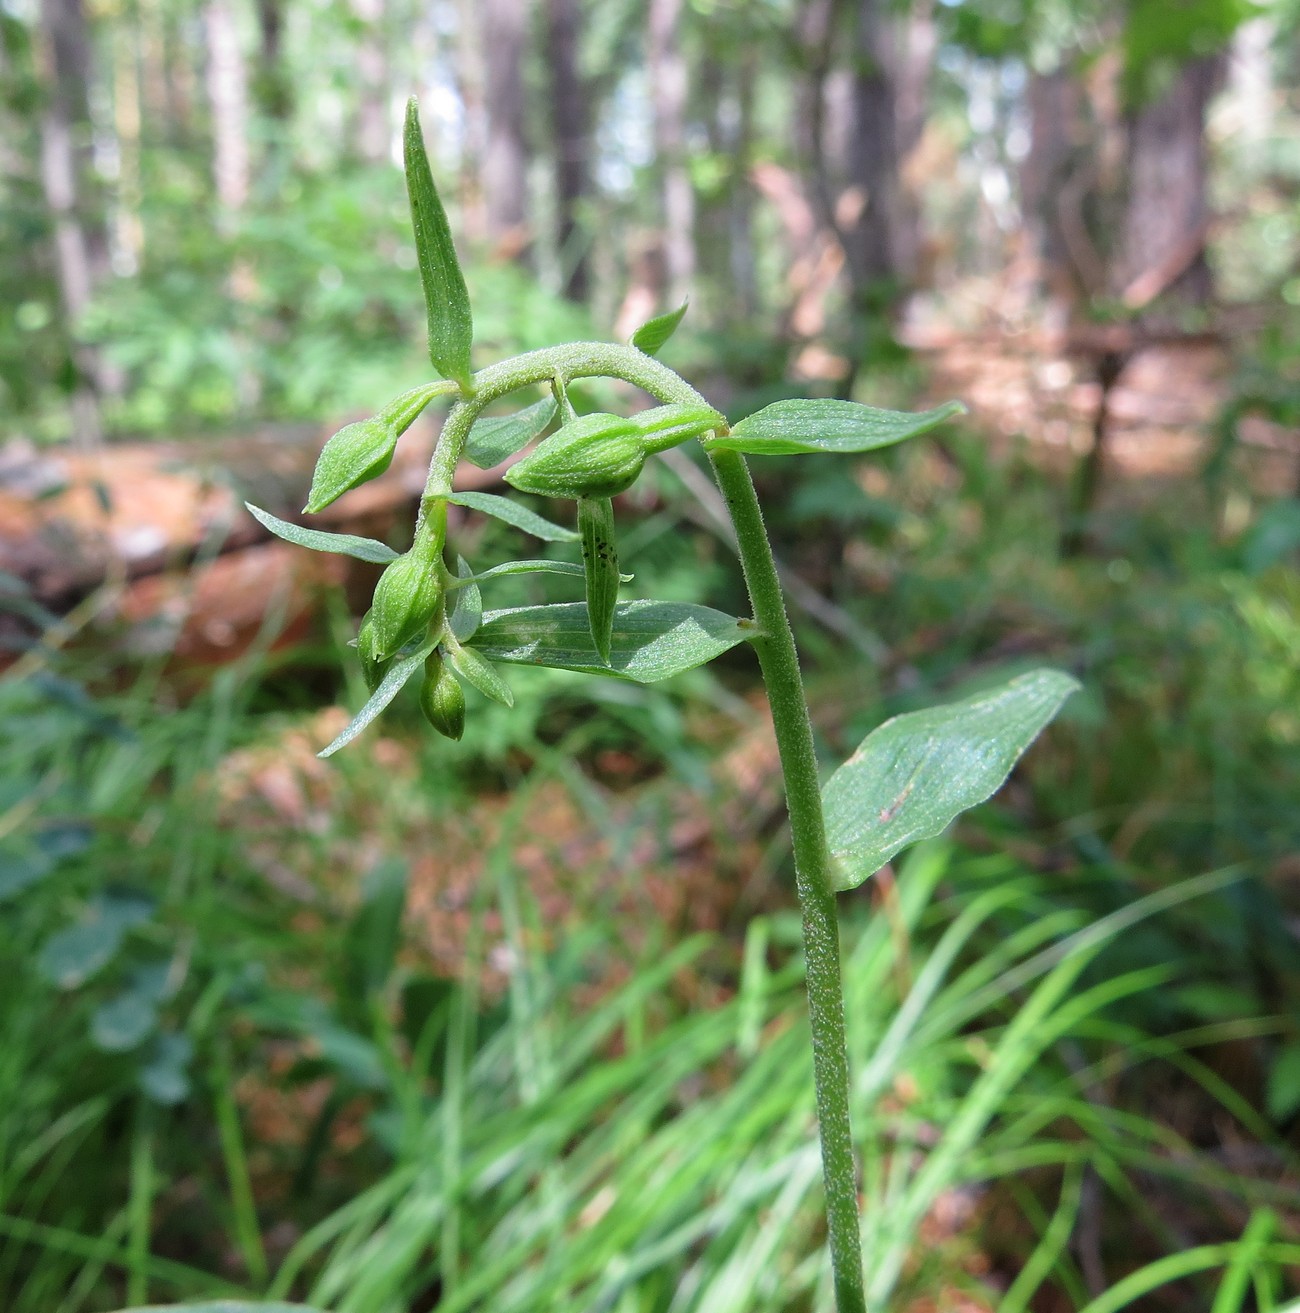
x: 907, y: 780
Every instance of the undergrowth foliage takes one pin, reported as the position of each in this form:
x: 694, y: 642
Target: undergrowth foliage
x: 427, y: 622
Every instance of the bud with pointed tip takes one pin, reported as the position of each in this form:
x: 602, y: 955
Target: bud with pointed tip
x: 362, y: 451
x: 663, y: 427
x: 595, y: 456
x: 441, y: 698
x: 407, y: 598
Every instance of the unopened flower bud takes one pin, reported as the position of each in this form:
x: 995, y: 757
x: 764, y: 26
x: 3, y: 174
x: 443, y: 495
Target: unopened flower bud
x: 595, y: 456
x: 441, y: 698
x: 363, y: 451
x: 406, y: 601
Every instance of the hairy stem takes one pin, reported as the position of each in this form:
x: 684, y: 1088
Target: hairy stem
x: 779, y: 662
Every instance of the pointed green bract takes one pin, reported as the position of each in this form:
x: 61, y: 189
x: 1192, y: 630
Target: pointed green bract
x: 651, y: 336
x: 495, y: 438
x: 663, y: 427
x: 451, y: 325
x: 510, y: 512
x: 600, y: 567
x: 346, y: 544
x: 389, y: 687
x: 649, y: 641
x: 915, y: 774
x: 474, y: 668
x: 789, y: 428
x: 467, y: 611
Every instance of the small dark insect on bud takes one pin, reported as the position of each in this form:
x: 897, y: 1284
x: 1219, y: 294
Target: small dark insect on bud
x: 441, y: 698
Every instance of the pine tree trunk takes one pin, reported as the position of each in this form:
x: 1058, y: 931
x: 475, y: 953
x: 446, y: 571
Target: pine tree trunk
x: 1167, y: 211
x: 570, y: 130
x: 505, y: 160
x: 666, y: 70
x: 227, y: 85
x: 79, y: 253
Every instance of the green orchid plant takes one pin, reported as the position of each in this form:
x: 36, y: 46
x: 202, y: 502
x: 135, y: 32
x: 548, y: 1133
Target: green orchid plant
x: 906, y: 781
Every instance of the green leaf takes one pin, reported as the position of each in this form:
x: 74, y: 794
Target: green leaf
x: 510, y: 512
x: 389, y: 687
x: 123, y: 1022
x: 655, y: 332
x: 600, y: 565
x: 165, y: 1078
x: 649, y: 641
x: 468, y: 608
x: 22, y: 866
x: 911, y: 777
x: 1282, y: 1093
x: 495, y: 438
x: 539, y: 567
x: 346, y: 544
x: 788, y: 428
x: 476, y: 669
x: 451, y: 325
x: 73, y: 955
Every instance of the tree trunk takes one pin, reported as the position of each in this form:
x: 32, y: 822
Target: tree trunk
x: 874, y: 242
x: 227, y: 86
x: 666, y: 71
x: 1167, y: 212
x: 65, y: 51
x: 505, y: 161
x: 570, y: 130
x: 273, y: 89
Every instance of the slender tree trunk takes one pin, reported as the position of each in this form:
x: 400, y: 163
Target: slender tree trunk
x: 227, y: 85
x: 273, y: 90
x: 129, y: 228
x: 571, y: 133
x: 505, y: 162
x: 666, y: 69
x: 873, y: 243
x: 1167, y: 212
x: 65, y: 55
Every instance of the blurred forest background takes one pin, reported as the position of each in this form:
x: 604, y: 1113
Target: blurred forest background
x: 516, y: 1022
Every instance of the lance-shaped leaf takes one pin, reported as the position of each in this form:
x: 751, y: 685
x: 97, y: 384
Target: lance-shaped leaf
x: 535, y: 567
x: 911, y: 777
x: 495, y: 438
x: 788, y: 428
x: 346, y: 544
x: 362, y: 451
x: 389, y: 687
x: 510, y: 512
x: 451, y: 325
x: 649, y: 641
x: 467, y: 611
x: 655, y: 332
x: 600, y: 564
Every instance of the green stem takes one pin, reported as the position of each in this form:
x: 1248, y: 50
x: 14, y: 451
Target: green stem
x: 779, y: 662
